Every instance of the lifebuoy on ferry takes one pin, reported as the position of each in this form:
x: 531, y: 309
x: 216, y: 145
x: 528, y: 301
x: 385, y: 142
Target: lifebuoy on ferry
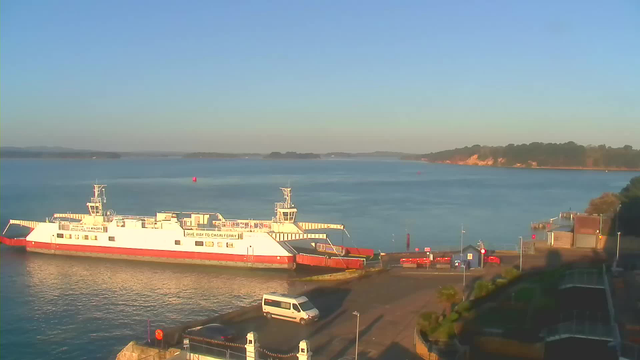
x: 159, y: 334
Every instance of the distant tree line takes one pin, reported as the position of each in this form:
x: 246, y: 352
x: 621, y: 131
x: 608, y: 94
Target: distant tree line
x: 291, y: 155
x: 27, y: 154
x: 568, y: 154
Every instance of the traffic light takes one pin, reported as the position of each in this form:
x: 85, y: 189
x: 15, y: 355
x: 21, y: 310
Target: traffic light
x: 533, y: 236
x: 483, y: 250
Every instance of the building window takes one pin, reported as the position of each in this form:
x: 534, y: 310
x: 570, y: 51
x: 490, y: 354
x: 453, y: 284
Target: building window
x: 67, y: 236
x: 60, y: 236
x: 230, y: 245
x: 112, y: 238
x: 177, y: 242
x: 85, y: 237
x: 199, y: 243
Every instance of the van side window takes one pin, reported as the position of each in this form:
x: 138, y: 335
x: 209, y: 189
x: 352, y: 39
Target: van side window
x: 296, y: 307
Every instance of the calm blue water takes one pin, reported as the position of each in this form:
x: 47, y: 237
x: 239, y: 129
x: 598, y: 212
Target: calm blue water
x: 55, y: 307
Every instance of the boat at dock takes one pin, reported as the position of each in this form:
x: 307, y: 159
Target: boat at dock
x: 343, y: 250
x: 180, y: 237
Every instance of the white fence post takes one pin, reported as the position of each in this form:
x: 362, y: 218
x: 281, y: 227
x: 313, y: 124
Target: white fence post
x: 252, y: 346
x: 304, y: 353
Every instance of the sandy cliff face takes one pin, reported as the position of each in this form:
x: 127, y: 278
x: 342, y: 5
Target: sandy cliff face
x: 488, y: 162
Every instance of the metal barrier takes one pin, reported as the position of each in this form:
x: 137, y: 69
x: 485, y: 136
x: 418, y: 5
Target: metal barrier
x: 203, y: 349
x: 629, y: 351
x: 578, y: 328
x: 582, y: 278
x: 204, y: 346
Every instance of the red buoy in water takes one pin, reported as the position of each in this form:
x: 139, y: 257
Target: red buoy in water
x: 195, y: 179
x: 419, y: 172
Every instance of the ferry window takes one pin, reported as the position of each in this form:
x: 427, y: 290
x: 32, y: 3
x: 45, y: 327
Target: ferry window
x: 230, y: 245
x: 220, y: 243
x: 112, y: 238
x: 94, y: 237
x: 210, y: 244
x: 77, y: 237
x: 85, y: 237
x: 67, y: 236
x: 177, y: 242
x: 199, y: 243
x: 60, y: 236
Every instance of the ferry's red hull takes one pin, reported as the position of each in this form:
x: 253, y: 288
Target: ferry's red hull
x: 257, y: 261
x: 13, y: 242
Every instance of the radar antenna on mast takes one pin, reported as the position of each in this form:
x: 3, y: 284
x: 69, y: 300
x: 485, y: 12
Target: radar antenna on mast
x: 286, y: 211
x: 99, y: 198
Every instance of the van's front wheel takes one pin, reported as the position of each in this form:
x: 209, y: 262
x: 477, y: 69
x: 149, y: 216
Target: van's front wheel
x: 303, y: 321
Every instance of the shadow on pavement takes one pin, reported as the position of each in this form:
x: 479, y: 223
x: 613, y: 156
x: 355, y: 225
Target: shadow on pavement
x: 394, y: 351
x: 352, y: 343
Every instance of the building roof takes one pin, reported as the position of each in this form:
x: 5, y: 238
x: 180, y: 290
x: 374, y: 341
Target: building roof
x: 470, y: 247
x: 565, y: 228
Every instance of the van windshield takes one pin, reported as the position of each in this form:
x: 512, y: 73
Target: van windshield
x: 306, y: 306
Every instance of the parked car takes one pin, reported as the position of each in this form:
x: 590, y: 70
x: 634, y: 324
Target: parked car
x: 213, y: 332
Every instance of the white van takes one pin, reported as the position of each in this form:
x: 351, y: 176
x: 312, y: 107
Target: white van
x: 287, y: 307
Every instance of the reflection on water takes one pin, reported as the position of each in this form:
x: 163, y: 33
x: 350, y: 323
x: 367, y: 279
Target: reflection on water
x: 74, y: 301
x: 65, y: 307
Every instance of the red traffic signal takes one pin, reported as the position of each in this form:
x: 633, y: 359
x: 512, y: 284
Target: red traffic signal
x: 533, y: 236
x: 483, y: 250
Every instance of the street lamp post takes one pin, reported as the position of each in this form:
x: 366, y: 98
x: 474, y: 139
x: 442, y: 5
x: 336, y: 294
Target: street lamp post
x: 520, y: 253
x: 357, y: 314
x: 618, y: 248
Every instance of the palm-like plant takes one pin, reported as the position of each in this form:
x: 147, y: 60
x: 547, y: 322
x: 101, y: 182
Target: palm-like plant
x: 448, y: 295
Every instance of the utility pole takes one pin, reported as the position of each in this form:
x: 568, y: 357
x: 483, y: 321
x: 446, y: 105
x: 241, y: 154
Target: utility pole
x: 618, y: 248
x: 520, y: 253
x: 461, y: 239
x: 464, y: 278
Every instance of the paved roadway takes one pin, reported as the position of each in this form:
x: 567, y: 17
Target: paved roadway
x: 388, y: 304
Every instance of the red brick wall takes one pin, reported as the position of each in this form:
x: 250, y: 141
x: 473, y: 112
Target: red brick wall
x: 586, y: 224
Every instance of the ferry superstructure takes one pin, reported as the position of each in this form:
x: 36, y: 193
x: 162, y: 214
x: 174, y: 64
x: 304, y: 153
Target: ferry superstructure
x: 180, y: 237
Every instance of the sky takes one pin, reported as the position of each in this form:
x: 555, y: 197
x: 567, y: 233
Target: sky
x: 318, y: 76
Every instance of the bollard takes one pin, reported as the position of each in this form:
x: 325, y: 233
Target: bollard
x: 252, y: 346
x: 304, y: 353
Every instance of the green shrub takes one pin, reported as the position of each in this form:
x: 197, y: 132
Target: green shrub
x: 454, y: 316
x: 428, y: 321
x: 501, y: 282
x: 525, y: 294
x: 482, y: 288
x: 463, y: 307
x: 510, y: 273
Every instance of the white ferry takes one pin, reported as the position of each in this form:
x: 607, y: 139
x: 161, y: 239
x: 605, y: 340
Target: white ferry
x: 179, y: 237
